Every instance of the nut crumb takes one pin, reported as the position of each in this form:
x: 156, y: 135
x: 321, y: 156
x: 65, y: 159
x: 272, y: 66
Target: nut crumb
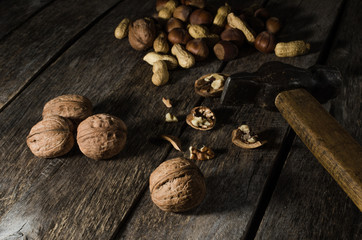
x: 201, y: 154
x: 170, y: 118
x: 167, y: 102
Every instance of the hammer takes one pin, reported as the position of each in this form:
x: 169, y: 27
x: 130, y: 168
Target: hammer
x: 297, y: 94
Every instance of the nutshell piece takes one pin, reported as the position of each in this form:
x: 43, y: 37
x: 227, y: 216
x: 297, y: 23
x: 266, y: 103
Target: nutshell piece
x: 175, y: 142
x: 201, y: 154
x: 142, y: 33
x: 201, y: 118
x: 74, y: 107
x: 101, y: 136
x: 170, y: 118
x: 177, y: 185
x: 242, y: 137
x: 210, y: 85
x: 167, y: 102
x: 52, y: 137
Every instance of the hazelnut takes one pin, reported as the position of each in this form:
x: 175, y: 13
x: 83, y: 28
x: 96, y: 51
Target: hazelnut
x: 265, y: 42
x: 201, y: 16
x: 273, y: 25
x: 177, y: 185
x: 160, y: 4
x: 173, y: 23
x: 201, y: 118
x: 198, y: 48
x: 233, y: 35
x: 141, y: 33
x: 194, y: 3
x: 179, y: 35
x: 210, y: 85
x: 101, y: 136
x: 243, y: 138
x: 262, y: 13
x: 226, y: 51
x: 51, y: 137
x: 201, y: 154
x: 74, y: 107
x: 182, y: 12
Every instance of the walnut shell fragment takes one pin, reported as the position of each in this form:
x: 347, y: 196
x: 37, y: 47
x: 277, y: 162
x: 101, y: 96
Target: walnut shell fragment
x: 52, y: 137
x: 175, y: 142
x: 101, y: 136
x: 242, y: 137
x: 177, y: 185
x: 201, y: 118
x: 73, y: 107
x: 201, y: 154
x: 210, y: 85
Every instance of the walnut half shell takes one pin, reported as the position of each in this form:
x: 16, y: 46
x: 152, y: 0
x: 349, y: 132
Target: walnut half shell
x: 242, y: 137
x: 177, y: 185
x: 201, y: 118
x: 210, y: 85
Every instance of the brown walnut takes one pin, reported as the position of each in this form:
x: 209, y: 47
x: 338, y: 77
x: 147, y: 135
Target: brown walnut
x: 201, y: 118
x: 51, y: 137
x: 177, y: 185
x: 210, y: 85
x: 141, y: 33
x: 74, y: 107
x: 101, y: 136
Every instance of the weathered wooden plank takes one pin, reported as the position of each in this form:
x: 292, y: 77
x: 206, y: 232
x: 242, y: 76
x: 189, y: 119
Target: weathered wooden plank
x: 73, y: 197
x: 308, y: 203
x: 236, y: 178
x: 33, y: 46
x: 15, y: 13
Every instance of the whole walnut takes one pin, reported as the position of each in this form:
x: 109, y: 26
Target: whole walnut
x: 177, y: 185
x: 52, y: 137
x: 142, y: 33
x: 74, y: 107
x: 101, y: 136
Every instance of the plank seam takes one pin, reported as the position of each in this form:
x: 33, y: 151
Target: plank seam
x: 57, y: 55
x: 25, y: 20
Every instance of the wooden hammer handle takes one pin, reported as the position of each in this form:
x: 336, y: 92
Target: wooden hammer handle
x: 334, y: 148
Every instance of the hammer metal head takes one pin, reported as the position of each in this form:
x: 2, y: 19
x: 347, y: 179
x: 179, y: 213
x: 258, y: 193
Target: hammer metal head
x: 262, y: 86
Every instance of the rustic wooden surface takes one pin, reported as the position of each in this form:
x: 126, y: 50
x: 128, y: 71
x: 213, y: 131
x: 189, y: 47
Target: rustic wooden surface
x: 307, y: 202
x: 73, y: 51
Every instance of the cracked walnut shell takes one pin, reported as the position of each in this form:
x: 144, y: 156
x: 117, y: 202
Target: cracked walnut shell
x: 177, y: 185
x: 51, y: 137
x: 101, y: 136
x: 243, y: 138
x: 201, y: 118
x: 210, y: 85
x: 74, y: 107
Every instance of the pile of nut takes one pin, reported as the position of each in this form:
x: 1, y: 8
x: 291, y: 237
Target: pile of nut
x: 99, y: 136
x: 189, y: 31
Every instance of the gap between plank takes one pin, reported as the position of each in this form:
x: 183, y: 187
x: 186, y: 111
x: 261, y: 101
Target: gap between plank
x: 25, y: 20
x: 66, y: 46
x: 287, y: 143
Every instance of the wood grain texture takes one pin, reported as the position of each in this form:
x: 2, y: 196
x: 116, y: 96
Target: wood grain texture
x: 74, y: 197
x: 28, y: 49
x: 307, y: 203
x: 14, y: 13
x: 334, y: 148
x: 235, y: 179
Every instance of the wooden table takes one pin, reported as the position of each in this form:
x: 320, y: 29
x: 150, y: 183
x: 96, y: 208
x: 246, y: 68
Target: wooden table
x: 54, y: 47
